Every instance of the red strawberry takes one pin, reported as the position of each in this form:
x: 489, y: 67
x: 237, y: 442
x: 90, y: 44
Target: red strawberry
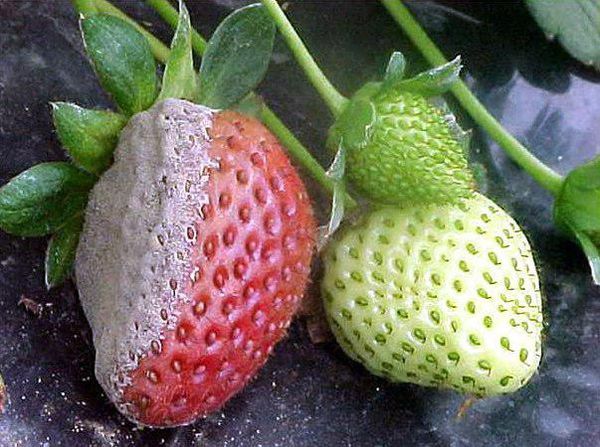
x: 193, y: 259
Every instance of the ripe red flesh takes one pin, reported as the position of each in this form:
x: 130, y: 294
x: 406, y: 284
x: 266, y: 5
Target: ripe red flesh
x: 252, y: 253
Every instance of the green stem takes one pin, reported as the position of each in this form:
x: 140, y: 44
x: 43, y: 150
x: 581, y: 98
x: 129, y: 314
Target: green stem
x: 170, y: 15
x: 335, y: 101
x: 159, y: 49
x: 546, y: 177
x: 85, y: 7
x: 284, y: 135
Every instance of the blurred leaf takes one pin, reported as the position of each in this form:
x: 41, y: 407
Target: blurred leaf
x: 577, y: 210
x: 123, y: 61
x: 60, y: 254
x: 90, y: 136
x: 237, y: 57
x: 575, y: 23
x: 180, y: 79
x: 42, y: 199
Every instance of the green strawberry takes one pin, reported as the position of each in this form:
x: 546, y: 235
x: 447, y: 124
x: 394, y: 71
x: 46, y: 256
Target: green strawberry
x: 401, y: 148
x: 437, y: 295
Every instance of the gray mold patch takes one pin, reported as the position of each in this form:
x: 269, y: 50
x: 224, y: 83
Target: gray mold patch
x: 134, y: 258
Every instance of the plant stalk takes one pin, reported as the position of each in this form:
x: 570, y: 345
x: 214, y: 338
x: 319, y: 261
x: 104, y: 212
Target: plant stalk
x: 267, y: 116
x: 542, y: 174
x: 335, y: 101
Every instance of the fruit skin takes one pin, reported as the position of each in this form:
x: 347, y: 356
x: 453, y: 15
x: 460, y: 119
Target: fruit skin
x: 444, y: 296
x: 193, y: 259
x: 401, y: 149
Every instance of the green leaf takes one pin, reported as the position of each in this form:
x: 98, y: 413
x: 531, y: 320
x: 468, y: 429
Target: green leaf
x: 432, y: 82
x: 577, y: 210
x: 575, y: 23
x: 180, y: 79
x: 89, y: 136
x: 336, y: 172
x: 123, y: 61
x: 355, y: 124
x: 237, y: 57
x: 42, y: 199
x: 60, y: 255
x: 395, y: 69
x: 591, y: 252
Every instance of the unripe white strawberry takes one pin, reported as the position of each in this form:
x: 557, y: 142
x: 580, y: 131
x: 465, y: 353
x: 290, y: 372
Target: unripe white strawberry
x: 438, y: 295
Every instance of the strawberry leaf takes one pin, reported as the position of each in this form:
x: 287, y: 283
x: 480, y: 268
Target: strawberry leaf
x: 42, y: 199
x: 60, y: 254
x: 89, y: 136
x: 123, y: 61
x: 432, y: 82
x: 180, y: 79
x: 577, y: 210
x: 395, y: 69
x: 575, y: 23
x: 237, y: 57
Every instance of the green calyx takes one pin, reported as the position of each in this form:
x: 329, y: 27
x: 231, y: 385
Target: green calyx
x: 401, y: 148
x: 89, y: 136
x: 40, y: 200
x: 122, y: 60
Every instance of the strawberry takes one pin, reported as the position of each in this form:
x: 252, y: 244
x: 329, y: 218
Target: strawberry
x: 437, y: 295
x: 194, y: 256
x: 401, y: 148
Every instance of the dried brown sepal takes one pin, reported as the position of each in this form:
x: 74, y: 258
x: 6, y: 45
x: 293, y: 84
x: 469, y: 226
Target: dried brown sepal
x: 3, y: 395
x: 31, y: 306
